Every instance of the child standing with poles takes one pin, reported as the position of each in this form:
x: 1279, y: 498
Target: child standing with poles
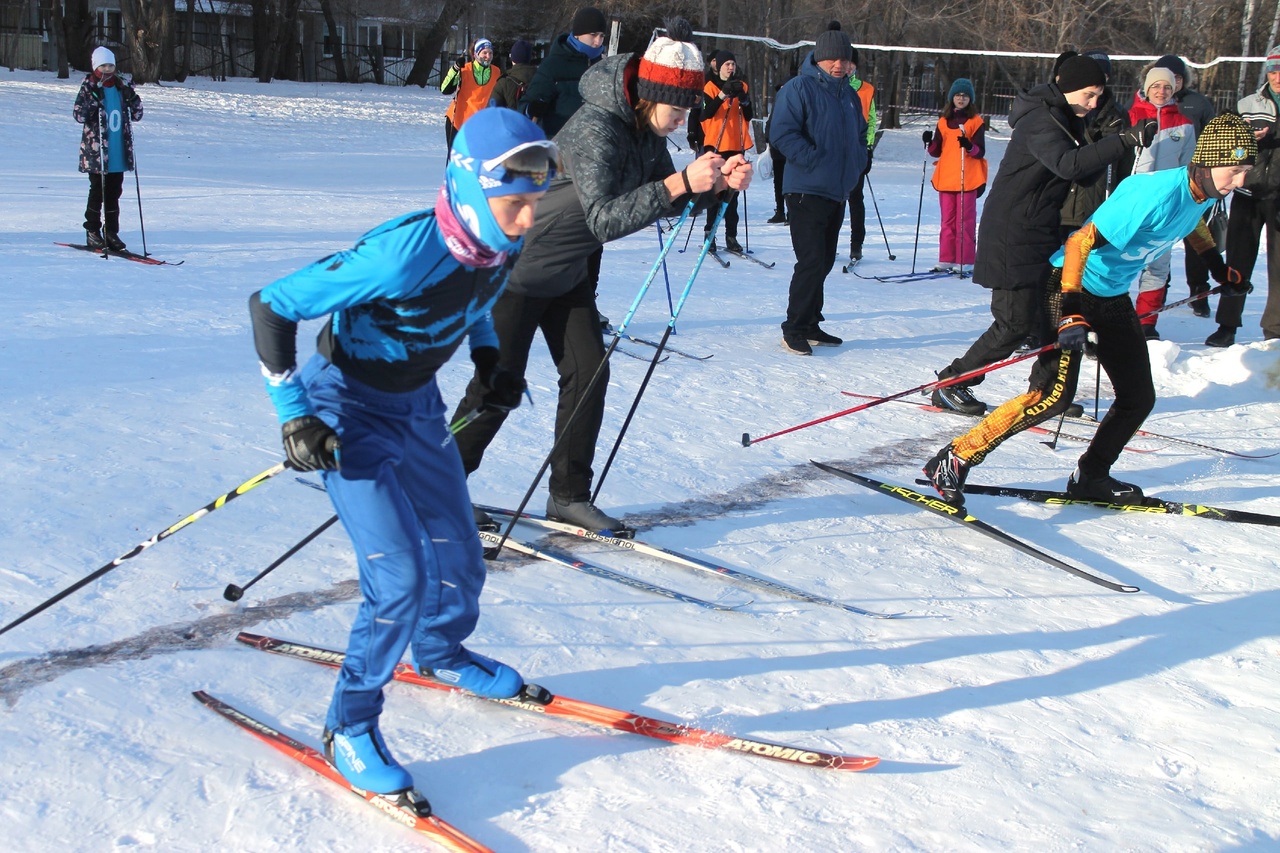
x: 959, y: 175
x: 106, y: 105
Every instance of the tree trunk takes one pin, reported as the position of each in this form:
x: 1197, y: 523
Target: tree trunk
x: 339, y: 66
x: 189, y: 44
x: 148, y: 25
x: 427, y: 44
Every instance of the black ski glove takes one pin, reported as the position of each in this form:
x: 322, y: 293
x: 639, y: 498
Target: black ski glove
x: 1140, y: 135
x: 1229, y: 277
x: 310, y: 444
x: 504, y: 387
x: 127, y: 95
x: 1073, y: 329
x: 927, y: 136
x: 964, y: 142
x: 869, y: 155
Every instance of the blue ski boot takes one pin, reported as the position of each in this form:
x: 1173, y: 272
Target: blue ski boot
x: 364, y: 761
x: 478, y: 674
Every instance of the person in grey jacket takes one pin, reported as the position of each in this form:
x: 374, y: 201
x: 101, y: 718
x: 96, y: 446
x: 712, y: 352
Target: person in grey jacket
x: 617, y: 179
x: 814, y: 123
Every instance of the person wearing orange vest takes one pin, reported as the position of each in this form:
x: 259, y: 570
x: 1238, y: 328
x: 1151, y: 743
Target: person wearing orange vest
x: 959, y: 174
x: 473, y: 82
x: 857, y: 204
x: 722, y: 125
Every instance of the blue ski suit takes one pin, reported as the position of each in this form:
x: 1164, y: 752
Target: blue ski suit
x: 400, y: 305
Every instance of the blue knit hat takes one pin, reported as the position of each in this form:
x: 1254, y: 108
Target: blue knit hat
x: 961, y: 86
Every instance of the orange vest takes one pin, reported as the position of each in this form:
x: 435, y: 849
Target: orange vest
x: 946, y: 169
x: 866, y: 92
x: 471, y: 97
x: 735, y: 136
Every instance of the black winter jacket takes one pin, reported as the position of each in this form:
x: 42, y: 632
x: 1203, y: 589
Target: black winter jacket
x: 1107, y: 119
x: 553, y: 96
x: 610, y: 186
x: 1047, y: 152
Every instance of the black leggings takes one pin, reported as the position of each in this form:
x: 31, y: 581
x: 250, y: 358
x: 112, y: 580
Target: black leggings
x: 571, y: 326
x: 104, y: 198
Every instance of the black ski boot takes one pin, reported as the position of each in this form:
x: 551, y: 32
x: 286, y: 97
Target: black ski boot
x: 958, y: 398
x: 1102, y: 487
x: 113, y: 241
x: 947, y: 473
x: 93, y: 239
x: 731, y: 243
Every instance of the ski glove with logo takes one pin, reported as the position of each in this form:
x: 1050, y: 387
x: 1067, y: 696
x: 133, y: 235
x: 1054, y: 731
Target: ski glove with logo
x: 310, y: 444
x: 1228, y: 277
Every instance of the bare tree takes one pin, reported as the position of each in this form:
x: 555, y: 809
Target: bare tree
x: 148, y: 28
x: 428, y: 42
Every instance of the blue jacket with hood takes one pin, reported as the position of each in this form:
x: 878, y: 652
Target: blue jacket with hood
x: 817, y: 124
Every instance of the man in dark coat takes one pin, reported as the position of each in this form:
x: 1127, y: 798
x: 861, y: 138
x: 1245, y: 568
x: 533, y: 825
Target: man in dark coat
x: 552, y: 96
x: 814, y: 120
x: 1019, y: 230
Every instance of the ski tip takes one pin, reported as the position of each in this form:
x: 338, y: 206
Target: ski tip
x: 746, y: 439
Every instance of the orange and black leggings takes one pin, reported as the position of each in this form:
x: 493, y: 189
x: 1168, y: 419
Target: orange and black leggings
x: 1122, y: 353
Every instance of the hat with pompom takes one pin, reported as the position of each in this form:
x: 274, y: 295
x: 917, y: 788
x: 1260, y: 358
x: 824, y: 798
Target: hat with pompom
x: 671, y: 70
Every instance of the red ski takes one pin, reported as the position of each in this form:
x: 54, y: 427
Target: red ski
x: 539, y: 700
x: 408, y: 811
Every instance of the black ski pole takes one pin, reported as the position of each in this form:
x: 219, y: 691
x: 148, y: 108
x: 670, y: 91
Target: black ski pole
x: 919, y: 211
x: 595, y: 377
x: 1053, y: 444
x: 662, y: 343
x: 218, y: 503
x: 883, y: 233
x: 137, y: 186
x: 235, y: 593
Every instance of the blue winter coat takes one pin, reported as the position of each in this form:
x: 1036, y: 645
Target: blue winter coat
x: 817, y: 124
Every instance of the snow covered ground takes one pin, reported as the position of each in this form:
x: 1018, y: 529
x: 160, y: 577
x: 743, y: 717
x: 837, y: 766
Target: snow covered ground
x: 1015, y: 708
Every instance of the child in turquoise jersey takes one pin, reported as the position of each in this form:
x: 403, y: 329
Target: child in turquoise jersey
x: 1088, y: 296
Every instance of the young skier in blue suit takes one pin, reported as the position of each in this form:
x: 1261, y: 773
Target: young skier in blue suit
x: 365, y: 412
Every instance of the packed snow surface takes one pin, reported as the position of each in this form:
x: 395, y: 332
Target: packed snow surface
x: 1015, y: 707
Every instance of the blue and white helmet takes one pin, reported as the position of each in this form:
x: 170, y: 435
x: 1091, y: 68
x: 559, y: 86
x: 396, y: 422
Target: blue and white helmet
x: 497, y: 152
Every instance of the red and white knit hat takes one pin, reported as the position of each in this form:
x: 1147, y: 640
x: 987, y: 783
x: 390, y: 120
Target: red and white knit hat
x: 671, y: 70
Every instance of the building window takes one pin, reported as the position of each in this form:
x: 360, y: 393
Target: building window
x: 333, y: 44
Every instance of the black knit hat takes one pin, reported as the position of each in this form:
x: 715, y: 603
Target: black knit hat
x: 1080, y: 72
x: 1100, y: 57
x: 1226, y: 141
x: 720, y: 57
x: 671, y: 70
x: 588, y: 19
x: 832, y: 44
x: 1174, y: 64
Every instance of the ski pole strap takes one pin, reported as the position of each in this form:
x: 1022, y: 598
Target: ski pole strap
x: 688, y: 187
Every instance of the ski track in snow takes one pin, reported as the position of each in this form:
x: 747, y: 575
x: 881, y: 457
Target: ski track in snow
x: 1015, y: 707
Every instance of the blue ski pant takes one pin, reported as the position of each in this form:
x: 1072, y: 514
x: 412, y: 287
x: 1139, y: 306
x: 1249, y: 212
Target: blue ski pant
x: 402, y: 496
